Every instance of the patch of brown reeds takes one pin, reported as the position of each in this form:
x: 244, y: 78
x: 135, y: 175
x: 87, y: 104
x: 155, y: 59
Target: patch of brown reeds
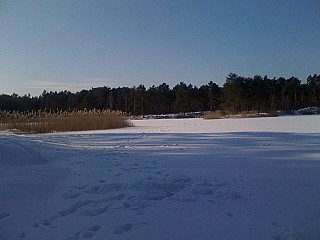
x: 214, y: 115
x: 62, y: 121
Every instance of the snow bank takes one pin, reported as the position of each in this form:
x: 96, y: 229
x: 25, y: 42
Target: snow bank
x: 15, y: 154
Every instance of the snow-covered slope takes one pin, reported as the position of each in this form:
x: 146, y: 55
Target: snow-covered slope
x: 165, y: 179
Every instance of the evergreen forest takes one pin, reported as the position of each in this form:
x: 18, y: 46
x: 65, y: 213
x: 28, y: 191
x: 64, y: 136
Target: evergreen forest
x: 238, y: 94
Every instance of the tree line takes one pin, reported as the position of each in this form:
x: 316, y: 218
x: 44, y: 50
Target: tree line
x: 238, y: 94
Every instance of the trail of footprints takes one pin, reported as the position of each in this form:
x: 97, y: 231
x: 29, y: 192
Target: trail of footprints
x: 96, y: 200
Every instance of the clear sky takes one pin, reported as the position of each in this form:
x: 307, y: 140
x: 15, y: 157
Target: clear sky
x: 73, y: 45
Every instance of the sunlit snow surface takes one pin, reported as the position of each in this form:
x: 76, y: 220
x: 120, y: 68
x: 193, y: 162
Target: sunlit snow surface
x: 165, y: 179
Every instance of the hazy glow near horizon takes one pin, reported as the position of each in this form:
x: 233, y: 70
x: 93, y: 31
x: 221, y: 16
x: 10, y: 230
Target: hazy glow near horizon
x: 77, y: 44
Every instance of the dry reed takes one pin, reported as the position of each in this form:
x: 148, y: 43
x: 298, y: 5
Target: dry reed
x: 62, y: 121
x: 214, y: 115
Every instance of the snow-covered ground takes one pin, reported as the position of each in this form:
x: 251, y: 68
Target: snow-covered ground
x: 165, y: 179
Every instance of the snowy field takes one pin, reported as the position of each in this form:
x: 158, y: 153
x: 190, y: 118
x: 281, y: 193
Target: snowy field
x: 165, y: 179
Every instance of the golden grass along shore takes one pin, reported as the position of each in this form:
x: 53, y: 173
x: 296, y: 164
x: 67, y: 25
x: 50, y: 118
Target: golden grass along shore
x: 62, y: 121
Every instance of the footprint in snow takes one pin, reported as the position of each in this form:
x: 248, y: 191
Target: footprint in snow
x: 47, y: 222
x: 50, y: 221
x: 80, y: 187
x: 159, y: 172
x: 87, y: 233
x: 4, y: 215
x: 229, y: 214
x: 120, y: 229
x: 95, y: 189
x: 70, y: 195
x: 22, y: 235
x: 95, y: 212
x: 286, y: 232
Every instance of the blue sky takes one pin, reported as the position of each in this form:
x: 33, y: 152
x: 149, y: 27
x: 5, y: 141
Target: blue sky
x: 73, y: 45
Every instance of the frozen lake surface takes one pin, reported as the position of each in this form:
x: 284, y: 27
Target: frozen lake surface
x: 165, y: 179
